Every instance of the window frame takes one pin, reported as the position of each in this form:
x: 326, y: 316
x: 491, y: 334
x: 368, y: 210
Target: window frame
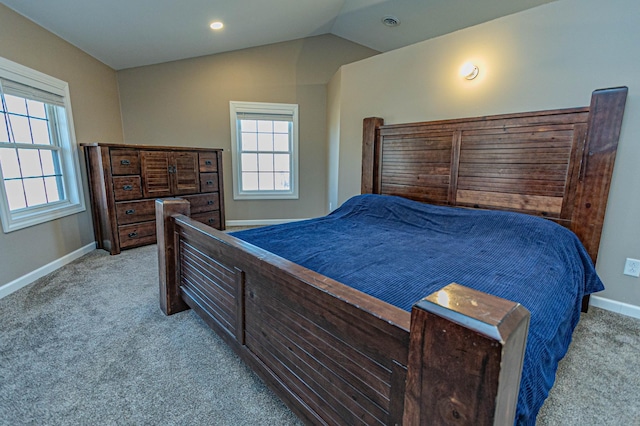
x: 266, y: 109
x: 73, y: 201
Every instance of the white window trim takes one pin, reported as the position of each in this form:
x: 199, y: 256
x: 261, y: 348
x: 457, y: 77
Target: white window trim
x: 74, y: 202
x: 236, y: 107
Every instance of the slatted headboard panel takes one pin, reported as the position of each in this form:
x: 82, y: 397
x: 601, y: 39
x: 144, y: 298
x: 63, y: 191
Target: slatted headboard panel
x: 555, y: 163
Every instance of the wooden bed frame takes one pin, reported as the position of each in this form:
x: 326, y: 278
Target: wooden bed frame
x: 337, y: 356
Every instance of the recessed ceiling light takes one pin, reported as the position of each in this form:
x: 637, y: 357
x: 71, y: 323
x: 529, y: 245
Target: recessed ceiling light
x: 390, y: 21
x: 216, y: 25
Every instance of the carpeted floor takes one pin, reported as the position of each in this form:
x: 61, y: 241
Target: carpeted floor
x: 88, y: 344
x: 598, y: 381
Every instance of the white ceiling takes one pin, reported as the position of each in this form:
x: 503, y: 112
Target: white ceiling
x: 131, y: 33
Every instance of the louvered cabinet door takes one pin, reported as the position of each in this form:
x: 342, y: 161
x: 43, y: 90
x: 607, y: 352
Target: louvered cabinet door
x: 155, y: 173
x: 185, y: 173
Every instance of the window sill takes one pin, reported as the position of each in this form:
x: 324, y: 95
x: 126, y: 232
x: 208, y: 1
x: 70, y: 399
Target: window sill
x: 15, y: 221
x: 266, y: 196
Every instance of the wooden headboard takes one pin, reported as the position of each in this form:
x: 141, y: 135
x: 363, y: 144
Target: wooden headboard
x: 556, y: 163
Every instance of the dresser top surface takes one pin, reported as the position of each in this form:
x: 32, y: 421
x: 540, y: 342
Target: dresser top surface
x: 148, y: 147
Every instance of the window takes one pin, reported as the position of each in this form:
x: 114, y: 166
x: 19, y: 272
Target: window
x: 39, y: 170
x: 264, y: 140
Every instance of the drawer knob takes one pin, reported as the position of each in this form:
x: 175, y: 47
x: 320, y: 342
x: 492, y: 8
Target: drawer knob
x: 130, y: 211
x: 211, y: 220
x: 207, y: 162
x: 125, y: 162
x: 209, y: 182
x: 128, y: 187
x: 210, y: 202
x: 133, y: 234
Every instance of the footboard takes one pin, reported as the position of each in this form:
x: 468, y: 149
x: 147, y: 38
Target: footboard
x: 335, y: 355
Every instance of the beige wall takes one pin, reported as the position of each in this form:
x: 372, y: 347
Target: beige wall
x: 334, y: 96
x: 551, y: 56
x: 96, y: 114
x: 187, y: 103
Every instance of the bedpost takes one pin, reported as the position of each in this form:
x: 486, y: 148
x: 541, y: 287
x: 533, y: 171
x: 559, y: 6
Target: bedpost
x: 170, y: 300
x: 370, y: 153
x: 465, y: 358
x: 596, y: 169
x: 605, y: 121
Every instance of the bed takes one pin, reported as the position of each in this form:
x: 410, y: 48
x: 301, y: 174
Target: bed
x: 453, y: 355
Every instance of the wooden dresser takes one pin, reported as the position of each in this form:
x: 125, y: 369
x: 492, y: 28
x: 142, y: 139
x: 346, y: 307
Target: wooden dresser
x: 125, y: 181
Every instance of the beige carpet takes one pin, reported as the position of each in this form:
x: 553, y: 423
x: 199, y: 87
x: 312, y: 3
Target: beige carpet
x: 88, y: 344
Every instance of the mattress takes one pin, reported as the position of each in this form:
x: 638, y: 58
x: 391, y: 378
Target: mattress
x: 400, y: 251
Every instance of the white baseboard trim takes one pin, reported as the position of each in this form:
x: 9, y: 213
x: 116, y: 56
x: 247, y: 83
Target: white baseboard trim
x: 615, y: 306
x: 259, y: 222
x: 27, y: 279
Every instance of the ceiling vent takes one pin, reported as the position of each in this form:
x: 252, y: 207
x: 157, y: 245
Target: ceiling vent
x: 390, y: 21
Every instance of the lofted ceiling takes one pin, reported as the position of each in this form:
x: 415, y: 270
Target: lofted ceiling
x: 130, y: 33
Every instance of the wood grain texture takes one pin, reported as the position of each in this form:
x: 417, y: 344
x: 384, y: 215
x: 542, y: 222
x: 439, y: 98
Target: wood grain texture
x: 203, y: 202
x: 98, y: 162
x: 370, y: 148
x: 168, y: 261
x: 465, y: 359
x: 155, y: 168
x: 135, y: 211
x: 556, y: 164
x: 345, y: 361
x: 185, y: 174
x: 211, y: 284
x: 125, y: 180
x: 517, y: 202
x: 127, y: 188
x: 334, y: 355
x: 208, y: 162
x: 209, y: 182
x: 137, y: 234
x: 211, y: 218
x: 222, y: 224
x: 125, y: 162
x: 603, y: 133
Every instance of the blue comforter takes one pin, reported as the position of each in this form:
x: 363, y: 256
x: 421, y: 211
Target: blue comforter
x: 400, y: 251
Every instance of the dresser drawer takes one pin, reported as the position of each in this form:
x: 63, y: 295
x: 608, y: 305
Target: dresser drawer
x: 125, y: 162
x: 137, y: 234
x: 135, y: 211
x: 204, y: 202
x: 208, y: 161
x: 127, y: 188
x: 208, y: 182
x: 209, y: 218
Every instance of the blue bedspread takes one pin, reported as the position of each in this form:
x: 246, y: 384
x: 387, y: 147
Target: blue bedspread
x: 400, y: 251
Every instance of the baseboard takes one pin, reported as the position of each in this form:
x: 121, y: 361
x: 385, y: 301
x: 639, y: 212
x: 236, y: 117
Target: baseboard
x: 27, y: 279
x: 615, y: 306
x: 259, y: 222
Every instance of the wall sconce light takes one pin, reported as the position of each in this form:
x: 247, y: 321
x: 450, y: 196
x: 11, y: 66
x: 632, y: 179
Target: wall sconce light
x: 469, y: 71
